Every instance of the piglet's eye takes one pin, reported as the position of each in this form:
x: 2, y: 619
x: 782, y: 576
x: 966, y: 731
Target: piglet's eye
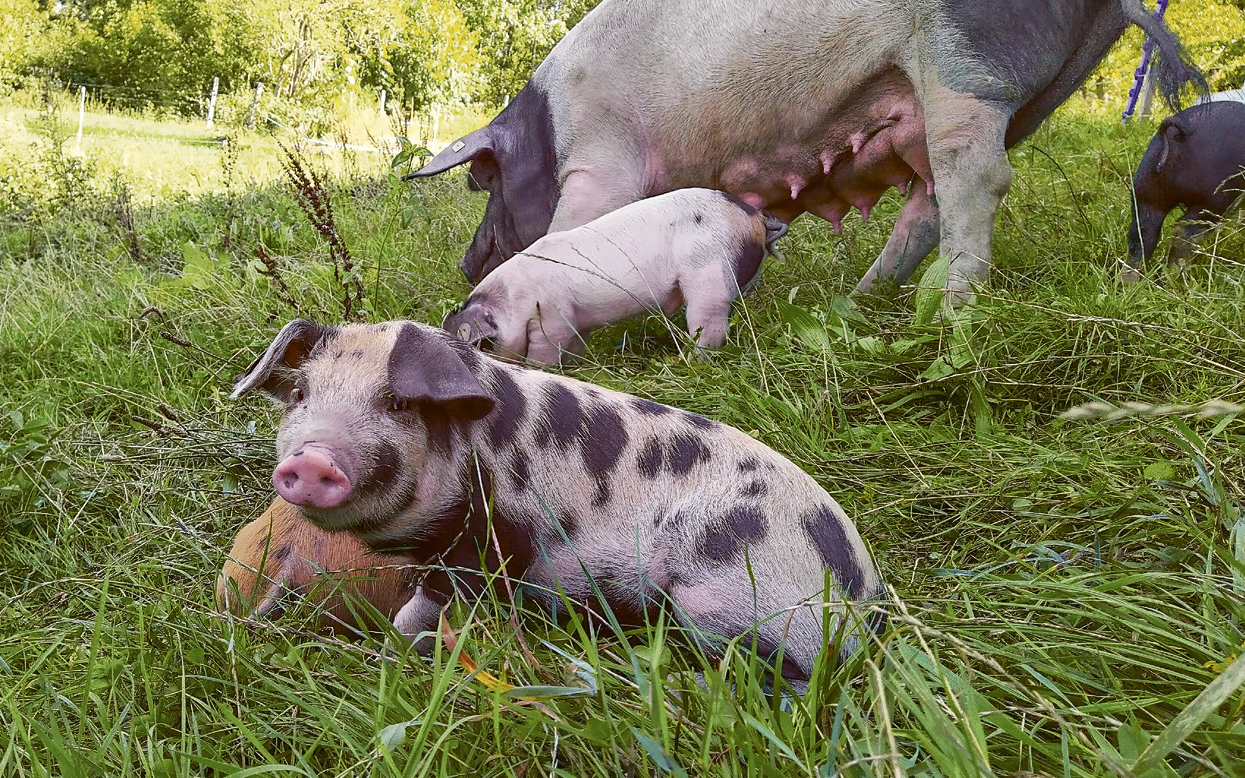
x: 399, y: 405
x: 296, y: 395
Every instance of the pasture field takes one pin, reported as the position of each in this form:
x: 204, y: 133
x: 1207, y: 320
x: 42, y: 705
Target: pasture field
x: 1068, y: 593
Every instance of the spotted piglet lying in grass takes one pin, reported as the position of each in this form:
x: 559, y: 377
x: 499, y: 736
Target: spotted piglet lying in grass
x: 410, y: 439
x: 281, y: 557
x: 693, y: 246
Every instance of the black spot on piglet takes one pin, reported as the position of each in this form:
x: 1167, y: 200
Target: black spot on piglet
x: 686, y: 451
x: 825, y: 529
x: 754, y: 488
x: 560, y: 419
x: 601, y: 445
x: 697, y: 420
x: 520, y: 471
x: 747, y: 522
x: 507, y: 415
x: 648, y: 461
x: 723, y: 540
x: 649, y: 408
x: 719, y: 545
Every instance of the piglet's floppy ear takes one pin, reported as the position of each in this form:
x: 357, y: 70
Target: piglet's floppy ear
x: 272, y: 371
x: 423, y: 367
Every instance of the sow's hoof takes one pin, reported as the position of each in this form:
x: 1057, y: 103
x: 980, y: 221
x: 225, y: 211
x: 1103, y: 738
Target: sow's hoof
x: 1129, y: 276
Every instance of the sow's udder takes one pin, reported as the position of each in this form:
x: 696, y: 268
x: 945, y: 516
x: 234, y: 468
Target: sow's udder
x: 311, y: 477
x: 847, y: 162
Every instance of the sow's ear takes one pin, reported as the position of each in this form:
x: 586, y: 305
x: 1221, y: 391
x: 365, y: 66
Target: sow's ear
x: 272, y: 371
x: 474, y: 146
x: 423, y: 367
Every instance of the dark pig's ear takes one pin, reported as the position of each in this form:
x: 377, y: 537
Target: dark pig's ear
x: 474, y: 146
x: 272, y: 371
x: 423, y: 367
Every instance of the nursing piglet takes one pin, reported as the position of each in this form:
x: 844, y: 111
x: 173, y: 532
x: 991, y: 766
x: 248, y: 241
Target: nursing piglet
x: 697, y: 247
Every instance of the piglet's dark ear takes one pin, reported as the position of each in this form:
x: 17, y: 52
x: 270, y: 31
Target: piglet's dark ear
x: 273, y: 370
x: 423, y: 367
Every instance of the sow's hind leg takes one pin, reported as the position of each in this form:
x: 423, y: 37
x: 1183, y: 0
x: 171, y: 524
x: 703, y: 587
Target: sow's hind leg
x: 914, y: 236
x: 969, y: 162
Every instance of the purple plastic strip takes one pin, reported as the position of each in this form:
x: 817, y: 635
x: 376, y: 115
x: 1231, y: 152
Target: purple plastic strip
x: 1139, y: 74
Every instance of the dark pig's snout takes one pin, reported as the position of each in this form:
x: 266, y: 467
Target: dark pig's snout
x: 479, y: 263
x: 311, y: 477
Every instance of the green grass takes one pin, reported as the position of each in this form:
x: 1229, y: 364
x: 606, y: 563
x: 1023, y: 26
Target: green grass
x: 164, y: 159
x: 1064, y: 589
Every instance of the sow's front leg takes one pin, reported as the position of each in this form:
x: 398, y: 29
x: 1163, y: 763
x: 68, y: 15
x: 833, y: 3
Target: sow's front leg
x: 971, y: 176
x: 592, y: 190
x: 914, y: 236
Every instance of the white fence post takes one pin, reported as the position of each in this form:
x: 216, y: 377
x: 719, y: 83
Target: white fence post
x: 250, y: 115
x: 382, y: 102
x: 436, y: 122
x: 212, y: 103
x: 81, y: 114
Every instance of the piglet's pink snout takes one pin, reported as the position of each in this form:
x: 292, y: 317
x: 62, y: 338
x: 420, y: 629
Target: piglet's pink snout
x: 310, y: 477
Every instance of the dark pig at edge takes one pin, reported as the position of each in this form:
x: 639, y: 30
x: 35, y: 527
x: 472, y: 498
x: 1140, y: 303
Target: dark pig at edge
x: 1196, y: 160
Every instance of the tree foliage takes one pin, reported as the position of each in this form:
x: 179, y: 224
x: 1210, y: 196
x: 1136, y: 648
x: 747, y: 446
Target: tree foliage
x: 305, y: 51
x: 424, y: 53
x: 1212, y: 33
x: 516, y: 35
x: 319, y: 53
x: 21, y: 28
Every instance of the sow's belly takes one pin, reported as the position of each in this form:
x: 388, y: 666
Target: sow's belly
x: 824, y: 160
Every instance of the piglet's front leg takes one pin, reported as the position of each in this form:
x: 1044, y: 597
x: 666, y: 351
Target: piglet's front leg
x: 418, y: 621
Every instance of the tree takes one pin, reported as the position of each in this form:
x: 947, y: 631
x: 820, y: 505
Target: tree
x: 21, y: 23
x: 516, y: 35
x: 425, y: 53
